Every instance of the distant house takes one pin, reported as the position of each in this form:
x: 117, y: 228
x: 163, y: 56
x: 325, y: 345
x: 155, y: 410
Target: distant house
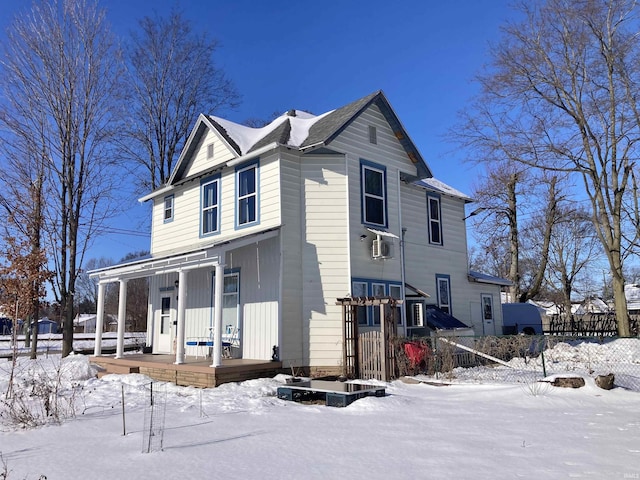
x: 46, y: 325
x: 260, y: 230
x: 85, y: 323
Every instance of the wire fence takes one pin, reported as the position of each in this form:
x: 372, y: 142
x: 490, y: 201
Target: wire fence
x: 520, y: 358
x: 154, y: 416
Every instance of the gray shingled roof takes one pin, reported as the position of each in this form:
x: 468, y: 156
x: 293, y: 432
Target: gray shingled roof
x: 322, y: 132
x: 279, y: 135
x: 325, y: 129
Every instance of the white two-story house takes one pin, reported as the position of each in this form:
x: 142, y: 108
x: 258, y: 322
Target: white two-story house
x: 260, y: 230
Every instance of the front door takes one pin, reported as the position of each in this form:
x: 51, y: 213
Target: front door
x: 166, y: 328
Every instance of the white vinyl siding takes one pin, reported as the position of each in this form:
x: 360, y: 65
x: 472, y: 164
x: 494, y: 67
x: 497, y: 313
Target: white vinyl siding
x: 201, y: 160
x: 388, y: 153
x: 325, y: 267
x: 295, y: 343
x: 185, y: 231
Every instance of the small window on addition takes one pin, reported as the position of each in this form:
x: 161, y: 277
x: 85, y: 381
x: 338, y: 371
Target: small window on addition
x: 210, y: 150
x: 373, y: 135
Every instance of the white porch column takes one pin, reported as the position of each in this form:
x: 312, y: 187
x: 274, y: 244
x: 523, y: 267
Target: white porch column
x: 182, y: 304
x: 97, y: 349
x: 122, y: 314
x: 217, y: 310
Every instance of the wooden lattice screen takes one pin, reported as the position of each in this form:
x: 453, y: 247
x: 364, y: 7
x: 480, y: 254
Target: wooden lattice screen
x: 369, y: 354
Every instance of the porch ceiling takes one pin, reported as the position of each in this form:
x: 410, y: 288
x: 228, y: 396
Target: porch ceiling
x: 207, y: 256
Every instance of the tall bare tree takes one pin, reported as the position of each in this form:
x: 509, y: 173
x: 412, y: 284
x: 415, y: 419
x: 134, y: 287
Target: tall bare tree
x: 561, y: 91
x: 574, y: 247
x: 508, y: 194
x: 172, y: 78
x: 59, y: 73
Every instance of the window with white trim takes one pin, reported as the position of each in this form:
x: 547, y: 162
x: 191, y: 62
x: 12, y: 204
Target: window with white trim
x: 443, y: 290
x: 435, y: 222
x: 168, y: 209
x: 210, y: 201
x: 247, y: 195
x: 374, y: 194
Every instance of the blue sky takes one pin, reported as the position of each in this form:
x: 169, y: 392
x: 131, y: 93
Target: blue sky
x: 319, y: 56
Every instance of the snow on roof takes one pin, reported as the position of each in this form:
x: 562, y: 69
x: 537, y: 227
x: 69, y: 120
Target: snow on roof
x: 485, y: 278
x: 247, y: 137
x: 439, y: 186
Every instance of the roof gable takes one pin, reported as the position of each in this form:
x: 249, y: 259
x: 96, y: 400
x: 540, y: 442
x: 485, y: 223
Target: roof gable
x: 294, y: 129
x: 203, y: 124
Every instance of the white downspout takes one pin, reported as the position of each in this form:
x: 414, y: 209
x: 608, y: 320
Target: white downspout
x: 403, y: 308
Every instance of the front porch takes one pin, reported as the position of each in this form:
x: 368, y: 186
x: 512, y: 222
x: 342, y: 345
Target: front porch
x: 195, y: 372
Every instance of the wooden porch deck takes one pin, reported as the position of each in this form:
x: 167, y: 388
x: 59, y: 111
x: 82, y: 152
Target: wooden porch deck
x: 196, y: 372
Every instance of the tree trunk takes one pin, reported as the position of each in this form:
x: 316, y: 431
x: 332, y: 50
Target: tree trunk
x: 622, y: 314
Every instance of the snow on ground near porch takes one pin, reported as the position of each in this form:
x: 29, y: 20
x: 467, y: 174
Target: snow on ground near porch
x: 52, y: 342
x: 463, y: 430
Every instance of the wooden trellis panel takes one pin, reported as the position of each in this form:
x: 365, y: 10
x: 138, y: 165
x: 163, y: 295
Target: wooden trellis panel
x: 369, y: 354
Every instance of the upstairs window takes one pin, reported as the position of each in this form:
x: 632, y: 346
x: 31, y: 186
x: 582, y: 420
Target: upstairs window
x: 168, y: 209
x: 247, y: 195
x: 210, y: 222
x: 435, y: 222
x: 374, y: 194
x: 210, y: 151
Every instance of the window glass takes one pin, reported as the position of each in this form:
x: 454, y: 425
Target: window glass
x: 435, y: 229
x: 377, y: 290
x: 396, y: 292
x: 359, y: 289
x: 373, y: 191
x: 444, y: 294
x: 247, y: 195
x: 168, y: 208
x: 487, y: 307
x: 210, y: 199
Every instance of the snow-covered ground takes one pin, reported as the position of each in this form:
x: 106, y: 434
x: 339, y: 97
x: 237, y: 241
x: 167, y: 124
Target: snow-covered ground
x: 243, y: 431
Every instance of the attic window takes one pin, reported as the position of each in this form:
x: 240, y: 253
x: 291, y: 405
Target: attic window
x: 373, y: 135
x: 210, y: 151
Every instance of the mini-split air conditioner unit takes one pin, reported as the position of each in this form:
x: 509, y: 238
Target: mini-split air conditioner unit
x: 380, y: 248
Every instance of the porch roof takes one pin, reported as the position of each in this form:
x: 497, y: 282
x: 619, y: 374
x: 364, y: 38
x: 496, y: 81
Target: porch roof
x: 204, y: 256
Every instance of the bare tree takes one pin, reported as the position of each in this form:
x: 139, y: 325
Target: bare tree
x: 574, y: 247
x: 517, y: 249
x: 60, y: 74
x: 561, y: 94
x: 172, y: 78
